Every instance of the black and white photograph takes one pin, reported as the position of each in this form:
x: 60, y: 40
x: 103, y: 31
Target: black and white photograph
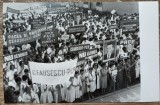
x: 71, y: 52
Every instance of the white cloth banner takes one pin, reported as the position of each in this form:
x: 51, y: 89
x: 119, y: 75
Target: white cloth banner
x: 52, y: 73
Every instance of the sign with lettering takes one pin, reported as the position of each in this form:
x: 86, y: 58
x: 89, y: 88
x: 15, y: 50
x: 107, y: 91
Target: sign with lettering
x: 128, y: 43
x: 36, y: 23
x: 87, y: 53
x: 18, y: 21
x: 47, y: 37
x: 52, y: 73
x: 76, y: 29
x: 16, y: 55
x: 28, y: 36
x: 81, y: 47
x: 129, y: 25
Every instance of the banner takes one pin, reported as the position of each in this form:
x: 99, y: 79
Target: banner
x: 109, y: 50
x: 34, y: 8
x: 16, y: 55
x: 36, y: 23
x: 87, y: 53
x: 129, y: 25
x: 18, y: 21
x: 128, y: 43
x: 52, y: 73
x: 12, y: 10
x: 48, y: 37
x: 60, y: 10
x: 28, y: 36
x: 81, y: 47
x: 76, y: 29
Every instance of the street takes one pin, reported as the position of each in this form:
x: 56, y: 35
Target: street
x: 131, y: 94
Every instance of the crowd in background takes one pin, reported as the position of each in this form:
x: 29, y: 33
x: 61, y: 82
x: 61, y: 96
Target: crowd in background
x: 92, y: 79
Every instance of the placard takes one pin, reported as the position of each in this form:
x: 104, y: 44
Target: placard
x: 109, y: 50
x: 87, y: 53
x: 36, y: 23
x: 16, y: 55
x: 76, y: 29
x: 26, y: 37
x: 129, y: 25
x: 129, y: 43
x: 81, y: 47
x: 47, y: 37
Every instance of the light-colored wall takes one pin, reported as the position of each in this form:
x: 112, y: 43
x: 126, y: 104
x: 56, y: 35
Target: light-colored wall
x: 120, y: 7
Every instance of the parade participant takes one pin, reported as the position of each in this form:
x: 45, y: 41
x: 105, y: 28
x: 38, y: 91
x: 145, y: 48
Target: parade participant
x: 83, y: 80
x: 127, y: 72
x: 104, y: 76
x: 21, y: 68
x: 70, y: 92
x: 77, y: 84
x: 10, y: 75
x: 98, y: 76
x: 120, y: 74
x: 27, y: 96
x: 137, y: 68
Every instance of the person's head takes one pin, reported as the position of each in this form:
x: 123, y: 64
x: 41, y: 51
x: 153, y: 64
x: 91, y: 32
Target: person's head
x: 120, y: 61
x: 90, y: 69
x: 95, y: 65
x: 26, y: 71
x: 78, y: 18
x: 109, y: 49
x: 24, y: 77
x: 29, y: 82
x: 124, y: 49
x: 21, y: 63
x: 81, y: 71
x: 137, y: 57
x: 76, y: 74
x: 12, y: 67
x: 18, y: 80
x: 103, y: 65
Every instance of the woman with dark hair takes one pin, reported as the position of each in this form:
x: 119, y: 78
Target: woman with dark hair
x: 120, y: 76
x: 34, y: 91
x: 27, y: 96
x: 10, y: 75
x: 127, y: 72
x: 104, y: 76
x: 21, y: 68
x: 98, y: 74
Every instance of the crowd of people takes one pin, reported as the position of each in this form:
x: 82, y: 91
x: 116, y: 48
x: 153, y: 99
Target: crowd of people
x: 91, y: 79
